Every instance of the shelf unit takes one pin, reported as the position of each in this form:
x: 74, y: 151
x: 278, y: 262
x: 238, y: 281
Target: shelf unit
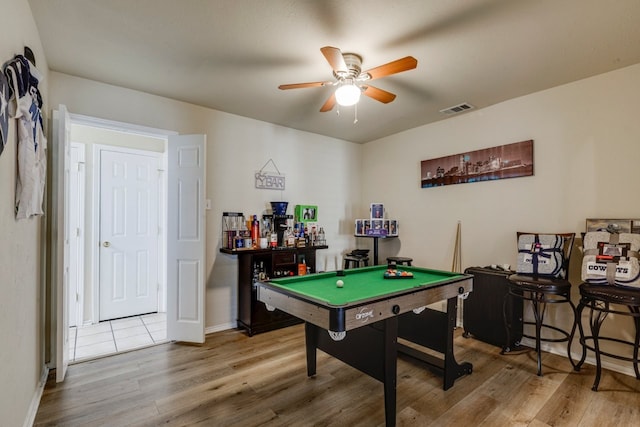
x: 252, y: 314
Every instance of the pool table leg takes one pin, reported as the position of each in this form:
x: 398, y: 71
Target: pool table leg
x: 452, y: 369
x: 433, y: 329
x: 390, y: 369
x: 311, y: 338
x: 372, y: 349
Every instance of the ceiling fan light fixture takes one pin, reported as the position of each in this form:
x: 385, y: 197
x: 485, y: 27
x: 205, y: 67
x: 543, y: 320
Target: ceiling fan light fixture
x: 348, y: 94
x: 349, y: 78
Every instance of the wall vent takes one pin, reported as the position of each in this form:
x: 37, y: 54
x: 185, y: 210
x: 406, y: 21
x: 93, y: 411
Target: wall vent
x: 458, y: 108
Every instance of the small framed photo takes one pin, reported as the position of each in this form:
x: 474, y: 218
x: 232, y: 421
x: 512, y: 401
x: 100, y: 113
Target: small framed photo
x: 377, y: 211
x: 306, y: 213
x: 359, y: 227
x: 377, y: 228
x: 393, y: 227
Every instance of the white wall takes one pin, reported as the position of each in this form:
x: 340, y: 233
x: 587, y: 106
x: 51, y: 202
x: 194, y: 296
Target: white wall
x: 22, y: 264
x: 586, y: 149
x: 319, y: 170
x: 585, y: 145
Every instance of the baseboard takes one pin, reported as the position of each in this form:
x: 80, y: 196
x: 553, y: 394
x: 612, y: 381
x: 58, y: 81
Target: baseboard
x: 35, y: 400
x: 218, y: 328
x: 621, y: 367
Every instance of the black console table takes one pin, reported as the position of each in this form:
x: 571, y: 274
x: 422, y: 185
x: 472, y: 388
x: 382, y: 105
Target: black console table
x: 277, y: 262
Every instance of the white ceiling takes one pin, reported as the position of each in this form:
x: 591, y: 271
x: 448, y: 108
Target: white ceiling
x: 231, y: 55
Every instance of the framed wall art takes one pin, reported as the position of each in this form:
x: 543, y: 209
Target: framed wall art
x: 306, y: 213
x: 500, y: 162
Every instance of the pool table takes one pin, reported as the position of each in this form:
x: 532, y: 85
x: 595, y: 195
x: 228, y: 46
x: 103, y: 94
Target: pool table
x: 368, y: 320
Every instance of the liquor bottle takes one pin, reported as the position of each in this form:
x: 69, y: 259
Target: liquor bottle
x: 291, y: 238
x: 255, y: 231
x: 255, y: 275
x: 239, y: 242
x: 242, y: 233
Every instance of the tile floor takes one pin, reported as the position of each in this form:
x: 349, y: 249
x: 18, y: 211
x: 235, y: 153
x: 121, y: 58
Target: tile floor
x: 114, y: 336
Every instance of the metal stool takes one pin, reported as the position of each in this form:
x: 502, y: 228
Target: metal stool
x: 399, y: 260
x: 599, y: 298
x: 540, y: 291
x: 351, y: 261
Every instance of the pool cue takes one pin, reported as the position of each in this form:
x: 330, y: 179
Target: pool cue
x: 456, y: 266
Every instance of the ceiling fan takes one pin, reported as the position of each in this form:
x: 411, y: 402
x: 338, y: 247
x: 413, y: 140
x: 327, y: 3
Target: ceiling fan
x: 351, y: 81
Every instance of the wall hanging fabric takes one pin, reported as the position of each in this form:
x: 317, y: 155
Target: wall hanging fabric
x: 4, y: 111
x: 24, y: 104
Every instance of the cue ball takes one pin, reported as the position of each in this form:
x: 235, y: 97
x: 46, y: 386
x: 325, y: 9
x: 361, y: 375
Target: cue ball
x: 339, y: 283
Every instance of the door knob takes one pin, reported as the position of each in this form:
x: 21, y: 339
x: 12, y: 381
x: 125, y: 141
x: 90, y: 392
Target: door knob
x: 106, y: 244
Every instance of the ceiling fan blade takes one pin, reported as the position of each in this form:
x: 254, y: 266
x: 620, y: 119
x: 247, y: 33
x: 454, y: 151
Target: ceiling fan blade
x: 335, y: 59
x: 378, y: 94
x: 301, y: 85
x: 397, y: 66
x: 329, y: 104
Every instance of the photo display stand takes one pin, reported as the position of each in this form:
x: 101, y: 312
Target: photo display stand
x: 376, y: 227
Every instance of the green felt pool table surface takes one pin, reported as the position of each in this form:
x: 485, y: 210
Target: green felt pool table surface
x: 361, y: 284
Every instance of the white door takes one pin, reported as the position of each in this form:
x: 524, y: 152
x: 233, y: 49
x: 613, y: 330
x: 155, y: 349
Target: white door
x: 128, y: 234
x: 186, y: 238
x: 60, y: 244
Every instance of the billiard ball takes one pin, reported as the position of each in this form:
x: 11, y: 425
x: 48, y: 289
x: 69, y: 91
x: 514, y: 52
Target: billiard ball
x: 339, y: 283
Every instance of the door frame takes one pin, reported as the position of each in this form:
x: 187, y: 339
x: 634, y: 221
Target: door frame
x: 77, y: 201
x: 57, y: 336
x: 161, y: 160
x: 79, y: 119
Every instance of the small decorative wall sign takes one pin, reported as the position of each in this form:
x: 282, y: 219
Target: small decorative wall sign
x: 500, y: 162
x: 265, y: 180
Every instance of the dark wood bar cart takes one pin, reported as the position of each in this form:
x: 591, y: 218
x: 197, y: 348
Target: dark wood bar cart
x: 273, y: 263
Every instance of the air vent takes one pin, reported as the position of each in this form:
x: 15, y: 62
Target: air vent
x: 458, y: 108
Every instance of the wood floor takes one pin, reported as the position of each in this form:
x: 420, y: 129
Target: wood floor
x: 235, y: 380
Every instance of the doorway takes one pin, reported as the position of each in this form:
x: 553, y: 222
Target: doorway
x: 182, y: 227
x: 118, y: 287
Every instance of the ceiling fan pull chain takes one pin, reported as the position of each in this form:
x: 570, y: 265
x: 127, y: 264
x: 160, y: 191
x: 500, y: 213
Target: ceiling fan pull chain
x: 355, y: 114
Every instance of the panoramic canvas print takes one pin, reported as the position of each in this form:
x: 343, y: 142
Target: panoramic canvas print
x: 504, y: 161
